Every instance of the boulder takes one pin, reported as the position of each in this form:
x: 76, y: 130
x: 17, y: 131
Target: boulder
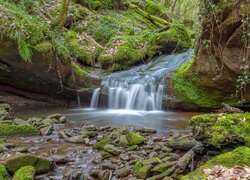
x: 76, y: 139
x: 47, y: 130
x: 25, y: 173
x: 41, y: 164
x: 123, y: 141
x: 135, y: 138
x: 19, y: 121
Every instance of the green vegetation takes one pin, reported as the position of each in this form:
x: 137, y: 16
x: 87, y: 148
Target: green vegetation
x: 25, y: 173
x: 3, y: 173
x: 5, y: 110
x: 15, y: 163
x: 10, y: 129
x: 239, y: 156
x: 222, y: 129
x: 100, y: 145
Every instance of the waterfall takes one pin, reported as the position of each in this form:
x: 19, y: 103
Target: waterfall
x: 142, y: 87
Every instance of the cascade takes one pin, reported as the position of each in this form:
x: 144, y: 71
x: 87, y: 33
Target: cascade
x: 142, y: 87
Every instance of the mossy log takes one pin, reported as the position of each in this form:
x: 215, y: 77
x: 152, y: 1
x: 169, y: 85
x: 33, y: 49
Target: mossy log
x: 155, y: 20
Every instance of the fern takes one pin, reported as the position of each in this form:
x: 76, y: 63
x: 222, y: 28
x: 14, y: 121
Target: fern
x: 25, y: 50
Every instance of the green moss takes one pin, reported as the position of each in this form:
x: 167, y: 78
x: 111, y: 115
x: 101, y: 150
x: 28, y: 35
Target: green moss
x: 222, y: 129
x: 7, y: 129
x: 137, y: 166
x: 171, y: 141
x: 15, y: 163
x: 135, y: 138
x: 5, y: 110
x: 239, y: 156
x: 154, y: 8
x: 25, y: 173
x: 123, y: 51
x: 44, y: 47
x: 3, y: 173
x: 78, y: 71
x: 102, y: 143
x: 177, y: 35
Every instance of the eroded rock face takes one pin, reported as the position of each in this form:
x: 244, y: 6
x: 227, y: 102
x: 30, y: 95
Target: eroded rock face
x: 45, y: 79
x: 222, y: 46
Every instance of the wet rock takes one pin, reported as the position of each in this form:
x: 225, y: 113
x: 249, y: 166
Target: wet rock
x: 147, y: 147
x: 59, y: 159
x: 14, y: 163
x: 89, y: 128
x: 104, y: 175
x: 146, y: 130
x: 94, y: 173
x: 112, y: 149
x: 67, y: 171
x: 76, y: 139
x: 47, y: 121
x: 166, y: 149
x: 54, y: 116
x: 153, y: 154
x: 184, y: 161
x: 156, y: 139
x: 157, y: 148
x: 123, y: 141
x: 47, y: 130
x: 90, y: 134
x: 124, y: 157
x: 104, y: 128
x: 62, y: 119
x: 109, y: 166
x: 124, y: 172
x: 174, y: 156
x: 20, y: 149
x: 19, y: 121
x: 135, y: 138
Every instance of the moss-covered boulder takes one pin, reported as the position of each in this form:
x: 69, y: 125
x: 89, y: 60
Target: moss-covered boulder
x: 112, y: 149
x: 41, y: 165
x: 25, y: 173
x: 239, y: 156
x: 3, y: 173
x: 222, y: 129
x: 100, y: 144
x: 122, y: 52
x: 135, y: 138
x: 176, y: 37
x: 24, y: 129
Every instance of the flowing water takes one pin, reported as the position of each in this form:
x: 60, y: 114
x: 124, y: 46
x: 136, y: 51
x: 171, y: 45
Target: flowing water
x: 140, y: 88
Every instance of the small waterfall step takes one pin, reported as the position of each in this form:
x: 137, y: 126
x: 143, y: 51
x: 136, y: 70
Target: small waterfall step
x: 142, y: 87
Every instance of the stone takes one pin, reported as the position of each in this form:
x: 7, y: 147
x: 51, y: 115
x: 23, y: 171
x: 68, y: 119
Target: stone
x: 47, y: 121
x: 144, y: 172
x: 109, y: 166
x: 124, y: 157
x: 25, y: 173
x: 146, y: 130
x: 132, y: 148
x: 76, y: 139
x: 153, y: 154
x: 90, y: 134
x: 41, y: 164
x: 166, y: 149
x: 90, y: 128
x: 47, y: 130
x: 56, y: 116
x: 152, y: 161
x: 19, y: 121
x: 3, y: 148
x: 135, y: 138
x: 112, y: 149
x: 123, y: 141
x: 20, y: 149
x: 123, y: 172
x: 162, y: 167
x: 62, y: 119
x: 60, y: 159
x: 104, y: 175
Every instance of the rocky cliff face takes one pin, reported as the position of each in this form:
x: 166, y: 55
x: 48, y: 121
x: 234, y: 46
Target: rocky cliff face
x: 220, y: 69
x: 45, y: 79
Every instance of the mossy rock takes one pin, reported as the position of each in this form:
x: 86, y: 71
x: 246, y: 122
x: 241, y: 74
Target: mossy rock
x: 25, y: 173
x: 24, y: 129
x: 100, y: 144
x: 135, y: 138
x: 2, y: 148
x: 41, y: 165
x: 5, y: 110
x: 122, y: 52
x: 174, y: 38
x: 111, y: 149
x: 239, y: 156
x: 144, y: 172
x: 3, y: 173
x: 222, y: 129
